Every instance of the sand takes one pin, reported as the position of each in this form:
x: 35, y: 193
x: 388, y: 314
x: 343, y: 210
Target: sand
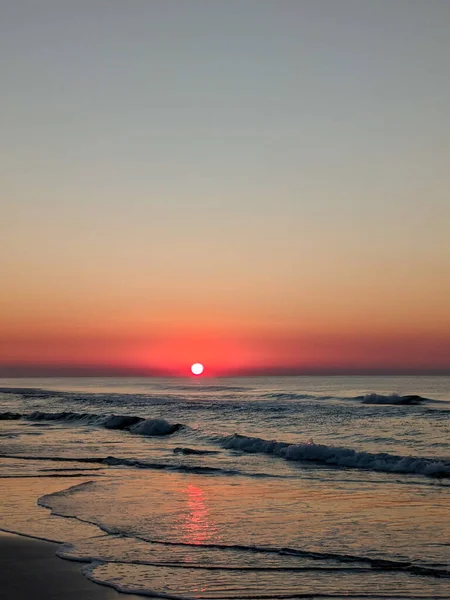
x: 30, y: 570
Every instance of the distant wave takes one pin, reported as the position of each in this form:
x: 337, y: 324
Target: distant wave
x: 31, y: 392
x: 369, y: 398
x: 338, y: 457
x: 289, y: 396
x: 133, y: 424
x: 142, y: 464
x: 209, y: 388
x: 105, y: 398
x: 410, y: 400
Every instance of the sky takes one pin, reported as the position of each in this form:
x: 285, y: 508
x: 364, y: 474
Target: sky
x: 258, y: 185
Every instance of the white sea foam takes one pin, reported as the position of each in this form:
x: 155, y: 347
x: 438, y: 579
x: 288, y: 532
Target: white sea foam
x: 339, y: 457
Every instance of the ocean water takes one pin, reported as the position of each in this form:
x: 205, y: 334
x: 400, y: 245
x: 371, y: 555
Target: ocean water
x: 296, y: 487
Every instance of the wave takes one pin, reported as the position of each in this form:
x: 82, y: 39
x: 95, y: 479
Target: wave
x: 155, y: 427
x: 338, y: 457
x: 113, y: 461
x: 289, y: 396
x: 209, y: 388
x: 320, y: 454
x: 10, y: 416
x: 48, y: 475
x: 396, y: 399
x: 122, y: 398
x: 131, y: 423
x: 120, y: 421
x: 373, y: 564
x: 169, y: 583
x: 369, y: 398
x: 196, y: 451
x: 390, y: 564
x: 30, y: 392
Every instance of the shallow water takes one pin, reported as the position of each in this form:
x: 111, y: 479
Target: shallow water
x: 236, y: 488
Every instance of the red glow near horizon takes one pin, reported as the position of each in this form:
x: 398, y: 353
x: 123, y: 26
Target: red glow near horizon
x: 171, y: 355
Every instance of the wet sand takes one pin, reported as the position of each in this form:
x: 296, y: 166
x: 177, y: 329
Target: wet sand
x: 30, y: 570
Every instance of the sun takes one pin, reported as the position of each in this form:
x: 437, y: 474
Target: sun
x: 197, y: 368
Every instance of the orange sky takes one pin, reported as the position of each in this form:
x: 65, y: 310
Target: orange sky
x: 258, y: 190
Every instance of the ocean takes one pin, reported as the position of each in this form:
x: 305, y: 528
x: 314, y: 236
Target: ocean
x: 293, y: 487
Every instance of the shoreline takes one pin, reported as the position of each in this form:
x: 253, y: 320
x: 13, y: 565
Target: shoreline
x: 31, y: 570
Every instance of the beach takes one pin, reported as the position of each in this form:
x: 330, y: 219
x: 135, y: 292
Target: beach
x: 30, y: 570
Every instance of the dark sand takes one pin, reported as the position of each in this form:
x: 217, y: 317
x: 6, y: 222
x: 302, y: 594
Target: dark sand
x: 30, y: 570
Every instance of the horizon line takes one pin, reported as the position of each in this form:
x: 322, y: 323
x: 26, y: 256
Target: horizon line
x: 34, y: 371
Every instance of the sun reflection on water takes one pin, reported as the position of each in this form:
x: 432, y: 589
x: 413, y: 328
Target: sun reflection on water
x: 198, y: 527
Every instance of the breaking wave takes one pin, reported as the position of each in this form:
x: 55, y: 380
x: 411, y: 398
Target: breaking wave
x: 133, y: 424
x: 338, y: 457
x: 306, y: 451
x: 396, y: 399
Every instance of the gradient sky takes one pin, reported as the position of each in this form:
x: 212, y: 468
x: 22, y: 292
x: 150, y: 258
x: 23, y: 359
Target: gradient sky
x: 255, y: 184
